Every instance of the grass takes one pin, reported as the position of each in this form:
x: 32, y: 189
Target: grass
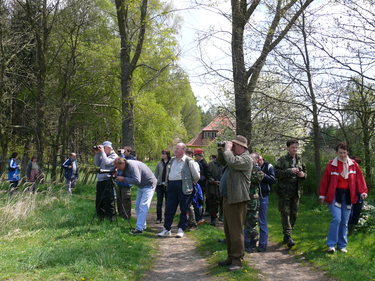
x: 208, y: 245
x: 49, y: 237
x: 310, y: 234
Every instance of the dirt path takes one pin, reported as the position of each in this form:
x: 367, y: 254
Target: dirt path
x: 278, y: 265
x: 178, y: 260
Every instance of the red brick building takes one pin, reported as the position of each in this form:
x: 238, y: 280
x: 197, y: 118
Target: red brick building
x: 209, y: 133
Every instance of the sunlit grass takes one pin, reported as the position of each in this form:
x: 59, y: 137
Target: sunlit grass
x: 49, y: 236
x: 209, y: 246
x: 310, y: 235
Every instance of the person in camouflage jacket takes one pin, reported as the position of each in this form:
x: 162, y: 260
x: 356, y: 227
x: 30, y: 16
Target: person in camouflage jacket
x: 290, y: 173
x: 251, y: 231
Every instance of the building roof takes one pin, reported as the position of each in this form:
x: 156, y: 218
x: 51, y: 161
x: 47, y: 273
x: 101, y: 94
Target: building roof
x: 218, y: 125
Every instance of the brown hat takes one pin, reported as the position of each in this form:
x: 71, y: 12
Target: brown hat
x: 241, y: 140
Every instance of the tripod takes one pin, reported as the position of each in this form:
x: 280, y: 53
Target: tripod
x: 111, y: 189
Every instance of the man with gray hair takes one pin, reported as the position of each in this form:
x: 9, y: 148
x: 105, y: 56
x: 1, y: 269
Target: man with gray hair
x: 104, y: 159
x: 182, y: 175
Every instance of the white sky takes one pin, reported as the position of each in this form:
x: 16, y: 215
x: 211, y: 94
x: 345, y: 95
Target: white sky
x: 195, y: 20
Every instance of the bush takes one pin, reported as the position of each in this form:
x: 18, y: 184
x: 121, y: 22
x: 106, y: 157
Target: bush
x: 366, y: 221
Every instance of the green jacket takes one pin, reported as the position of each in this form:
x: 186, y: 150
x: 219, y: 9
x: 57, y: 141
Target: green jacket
x: 288, y: 183
x: 239, y: 176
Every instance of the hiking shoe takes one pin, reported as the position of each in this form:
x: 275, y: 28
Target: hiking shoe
x: 180, y: 233
x: 289, y: 242
x: 250, y: 250
x: 226, y: 262
x: 202, y: 221
x: 164, y: 233
x: 262, y: 249
x: 235, y: 267
x: 343, y: 250
x: 136, y: 231
x: 331, y: 250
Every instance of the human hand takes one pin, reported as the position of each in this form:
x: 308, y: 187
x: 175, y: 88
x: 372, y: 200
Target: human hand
x: 363, y: 196
x: 321, y: 200
x: 295, y: 171
x: 120, y: 178
x: 228, y: 145
x: 300, y: 174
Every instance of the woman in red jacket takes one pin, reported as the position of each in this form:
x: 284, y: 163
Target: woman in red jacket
x: 340, y: 186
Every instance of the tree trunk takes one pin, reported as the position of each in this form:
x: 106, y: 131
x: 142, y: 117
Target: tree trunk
x: 242, y: 98
x: 128, y: 64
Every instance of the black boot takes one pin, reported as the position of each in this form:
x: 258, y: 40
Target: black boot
x: 251, y: 247
x: 288, y: 241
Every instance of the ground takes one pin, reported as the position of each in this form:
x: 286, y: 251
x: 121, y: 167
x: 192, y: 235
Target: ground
x: 178, y: 259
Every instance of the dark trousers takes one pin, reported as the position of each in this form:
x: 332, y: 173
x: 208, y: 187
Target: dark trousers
x: 161, y: 194
x: 124, y: 202
x: 213, y: 198
x: 234, y: 221
x: 288, y: 207
x: 105, y: 202
x: 176, y: 197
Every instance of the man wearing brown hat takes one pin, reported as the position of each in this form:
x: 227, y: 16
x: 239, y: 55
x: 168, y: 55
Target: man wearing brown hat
x: 234, y: 186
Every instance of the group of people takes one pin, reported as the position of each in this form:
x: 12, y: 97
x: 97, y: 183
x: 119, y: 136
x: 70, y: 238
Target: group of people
x: 234, y: 187
x: 33, y: 172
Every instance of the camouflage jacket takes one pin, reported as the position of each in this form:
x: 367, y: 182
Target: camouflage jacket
x: 256, y: 177
x: 288, y: 184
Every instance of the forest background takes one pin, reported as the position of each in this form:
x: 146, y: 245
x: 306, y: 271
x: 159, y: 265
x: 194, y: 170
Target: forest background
x: 74, y: 73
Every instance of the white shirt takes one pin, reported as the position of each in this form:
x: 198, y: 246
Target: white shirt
x: 176, y: 169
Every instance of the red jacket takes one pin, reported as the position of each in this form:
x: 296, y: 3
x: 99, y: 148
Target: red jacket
x: 328, y: 184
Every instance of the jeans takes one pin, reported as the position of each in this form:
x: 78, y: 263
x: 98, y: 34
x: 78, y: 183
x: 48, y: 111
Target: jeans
x: 176, y: 197
x: 337, y: 234
x: 262, y: 218
x: 142, y: 204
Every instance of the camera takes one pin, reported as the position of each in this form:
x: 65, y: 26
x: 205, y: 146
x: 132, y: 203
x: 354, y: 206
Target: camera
x: 110, y: 173
x: 95, y: 147
x: 221, y: 144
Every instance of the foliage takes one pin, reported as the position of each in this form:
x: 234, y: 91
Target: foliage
x: 366, y: 221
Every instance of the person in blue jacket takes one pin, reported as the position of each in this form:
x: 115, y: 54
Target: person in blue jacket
x: 264, y: 191
x: 13, y: 171
x: 71, y: 171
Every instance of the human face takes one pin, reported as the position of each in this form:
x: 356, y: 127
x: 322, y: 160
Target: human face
x: 237, y: 149
x: 292, y: 149
x: 342, y: 154
x: 179, y: 150
x: 120, y: 166
x: 164, y: 156
x: 261, y: 160
x: 127, y: 152
x: 107, y: 150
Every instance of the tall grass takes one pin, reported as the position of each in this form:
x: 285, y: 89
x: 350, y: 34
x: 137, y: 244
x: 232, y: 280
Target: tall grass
x: 49, y: 236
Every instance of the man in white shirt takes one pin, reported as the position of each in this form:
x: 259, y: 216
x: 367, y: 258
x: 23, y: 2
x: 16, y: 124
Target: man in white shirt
x: 182, y: 175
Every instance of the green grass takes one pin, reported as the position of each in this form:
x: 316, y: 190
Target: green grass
x: 55, y: 240
x: 207, y: 238
x: 310, y: 235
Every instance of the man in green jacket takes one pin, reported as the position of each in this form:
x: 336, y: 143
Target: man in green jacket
x: 234, y: 186
x: 290, y: 173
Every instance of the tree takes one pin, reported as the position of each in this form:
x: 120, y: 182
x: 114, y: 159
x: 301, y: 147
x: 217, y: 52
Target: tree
x: 284, y: 14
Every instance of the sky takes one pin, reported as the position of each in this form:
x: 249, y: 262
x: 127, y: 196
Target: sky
x: 195, y: 21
